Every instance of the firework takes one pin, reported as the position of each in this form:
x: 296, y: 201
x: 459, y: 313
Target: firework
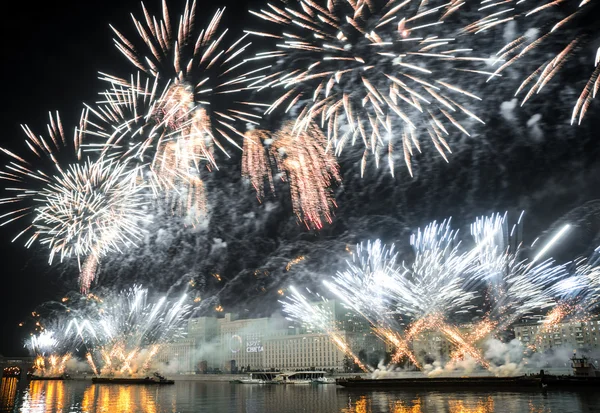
x: 438, y: 289
x: 423, y: 293
x: 298, y: 308
x: 580, y: 290
x: 203, y: 73
x: 130, y: 329
x: 43, y: 342
x: 436, y: 281
x: 132, y: 125
x: 567, y: 28
x: 86, y: 209
x: 362, y: 286
x: 516, y: 287
x: 60, y: 333
x: 256, y: 165
x: 51, y: 353
x: 435, y: 286
x: 360, y: 69
x: 302, y: 159
x: 310, y: 170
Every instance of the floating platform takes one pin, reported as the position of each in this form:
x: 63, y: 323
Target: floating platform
x: 126, y: 380
x: 49, y: 378
x: 519, y: 383
x: 495, y: 383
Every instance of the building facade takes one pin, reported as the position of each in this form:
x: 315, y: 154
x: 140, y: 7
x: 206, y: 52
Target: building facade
x: 230, y: 344
x: 580, y: 335
x: 243, y: 342
x: 432, y: 345
x: 303, y: 351
x: 179, y: 355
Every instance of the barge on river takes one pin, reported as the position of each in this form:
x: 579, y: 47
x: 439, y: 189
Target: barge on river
x: 585, y: 377
x: 156, y: 379
x: 61, y: 377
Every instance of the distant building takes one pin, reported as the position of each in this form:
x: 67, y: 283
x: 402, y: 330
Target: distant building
x: 231, y: 343
x: 303, y: 351
x: 432, y: 345
x: 243, y: 341
x: 179, y: 355
x: 582, y: 335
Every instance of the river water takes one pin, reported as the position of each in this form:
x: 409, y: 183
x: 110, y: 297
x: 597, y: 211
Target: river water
x: 195, y: 397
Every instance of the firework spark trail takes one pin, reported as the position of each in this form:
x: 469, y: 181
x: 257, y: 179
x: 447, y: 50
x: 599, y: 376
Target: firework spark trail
x: 298, y: 308
x: 256, y: 166
x: 474, y: 336
x: 302, y: 159
x: 360, y: 69
x: 435, y: 282
x: 466, y: 347
x: 582, y: 288
x: 570, y: 24
x: 550, y: 323
x: 362, y: 287
x: 516, y: 287
x: 86, y: 209
x: 204, y: 74
x: 424, y: 292
x: 130, y: 330
x: 578, y: 296
x: 131, y: 125
x: 310, y: 170
x: 90, y: 360
x: 51, y: 351
x: 437, y: 322
x: 400, y: 343
x: 52, y: 365
x: 43, y: 342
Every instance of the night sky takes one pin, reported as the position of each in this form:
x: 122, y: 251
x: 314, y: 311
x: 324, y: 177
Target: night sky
x: 50, y: 62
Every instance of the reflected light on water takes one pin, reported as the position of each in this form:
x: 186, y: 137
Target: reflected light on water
x: 481, y: 406
x: 365, y: 405
x: 362, y: 405
x: 44, y: 396
x: 55, y: 396
x: 109, y: 398
x: 82, y: 396
x: 8, y: 391
x: 400, y: 406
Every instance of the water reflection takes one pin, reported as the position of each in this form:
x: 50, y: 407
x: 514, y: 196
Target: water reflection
x: 469, y: 402
x: 400, y: 406
x: 192, y: 396
x: 8, y: 393
x: 110, y: 398
x: 44, y: 396
x: 480, y: 406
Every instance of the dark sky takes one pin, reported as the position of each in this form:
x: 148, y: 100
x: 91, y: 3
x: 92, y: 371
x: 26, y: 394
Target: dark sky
x: 50, y: 60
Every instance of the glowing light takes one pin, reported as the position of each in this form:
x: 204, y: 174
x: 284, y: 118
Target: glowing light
x: 563, y: 36
x: 359, y: 70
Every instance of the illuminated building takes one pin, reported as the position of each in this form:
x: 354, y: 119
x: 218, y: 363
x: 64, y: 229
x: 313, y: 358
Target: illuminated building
x: 573, y: 335
x: 303, y: 351
x: 231, y: 344
x: 244, y: 338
